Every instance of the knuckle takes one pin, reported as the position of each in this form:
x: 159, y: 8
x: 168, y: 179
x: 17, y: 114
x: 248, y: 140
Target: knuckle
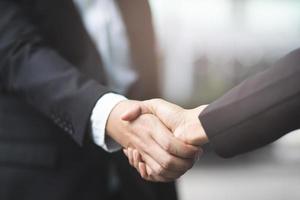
x: 187, y: 139
x: 167, y: 163
x: 159, y: 170
x: 146, y: 131
x: 157, y: 100
x: 143, y: 147
x: 167, y: 146
x: 150, y: 173
x: 190, y: 140
x: 191, y: 153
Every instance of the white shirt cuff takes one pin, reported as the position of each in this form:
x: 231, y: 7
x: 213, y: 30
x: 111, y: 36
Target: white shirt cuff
x: 99, y: 118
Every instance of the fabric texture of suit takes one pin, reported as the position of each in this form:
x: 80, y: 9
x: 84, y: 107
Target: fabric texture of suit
x: 258, y: 111
x: 50, y: 79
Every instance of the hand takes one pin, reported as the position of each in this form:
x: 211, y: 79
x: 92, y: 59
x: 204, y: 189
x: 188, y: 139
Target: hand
x: 165, y: 157
x: 183, y: 123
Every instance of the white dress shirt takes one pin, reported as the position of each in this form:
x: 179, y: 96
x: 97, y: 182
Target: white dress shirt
x: 105, y: 25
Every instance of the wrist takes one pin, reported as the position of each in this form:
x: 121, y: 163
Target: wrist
x: 113, y: 128
x: 116, y: 128
x: 99, y: 118
x: 200, y: 135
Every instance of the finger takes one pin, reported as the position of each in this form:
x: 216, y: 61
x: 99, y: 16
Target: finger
x: 162, y: 109
x: 153, y: 178
x: 139, y: 165
x: 155, y: 169
x: 167, y: 112
x: 173, y: 145
x: 195, y: 137
x: 161, y: 154
x: 147, y: 145
x: 148, y: 170
x: 131, y: 114
x: 170, y: 162
x: 130, y: 156
x: 161, y: 162
x: 136, y: 158
x: 169, y: 115
x: 142, y: 169
x: 135, y: 111
x: 125, y: 152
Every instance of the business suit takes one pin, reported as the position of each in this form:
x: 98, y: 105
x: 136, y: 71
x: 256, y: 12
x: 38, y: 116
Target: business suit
x: 258, y: 111
x: 50, y: 79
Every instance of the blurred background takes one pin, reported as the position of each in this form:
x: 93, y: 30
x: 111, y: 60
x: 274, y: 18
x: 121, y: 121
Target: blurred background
x: 218, y: 43
x: 209, y: 46
x: 205, y: 48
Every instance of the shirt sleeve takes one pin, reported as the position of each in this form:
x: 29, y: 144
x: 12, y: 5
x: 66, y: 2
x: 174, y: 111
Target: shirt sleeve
x: 99, y: 118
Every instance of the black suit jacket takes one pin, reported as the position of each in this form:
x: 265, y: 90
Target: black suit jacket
x: 256, y: 112
x: 50, y: 79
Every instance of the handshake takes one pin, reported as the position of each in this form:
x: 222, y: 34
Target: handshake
x: 161, y: 140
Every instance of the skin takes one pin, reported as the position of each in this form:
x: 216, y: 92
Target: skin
x: 183, y: 123
x: 165, y: 157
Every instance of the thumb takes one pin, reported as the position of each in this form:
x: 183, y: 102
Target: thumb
x: 135, y: 111
x: 132, y: 113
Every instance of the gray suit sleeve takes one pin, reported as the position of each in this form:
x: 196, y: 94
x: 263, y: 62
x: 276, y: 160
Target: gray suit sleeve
x: 258, y: 111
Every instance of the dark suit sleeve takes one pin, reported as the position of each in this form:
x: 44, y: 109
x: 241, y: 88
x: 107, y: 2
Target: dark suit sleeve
x: 40, y: 76
x: 256, y: 112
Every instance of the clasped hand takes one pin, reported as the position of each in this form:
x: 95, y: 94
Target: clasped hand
x: 161, y: 140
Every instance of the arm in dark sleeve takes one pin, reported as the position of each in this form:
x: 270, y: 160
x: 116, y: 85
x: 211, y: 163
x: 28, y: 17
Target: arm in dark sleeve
x: 40, y: 76
x: 256, y: 112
